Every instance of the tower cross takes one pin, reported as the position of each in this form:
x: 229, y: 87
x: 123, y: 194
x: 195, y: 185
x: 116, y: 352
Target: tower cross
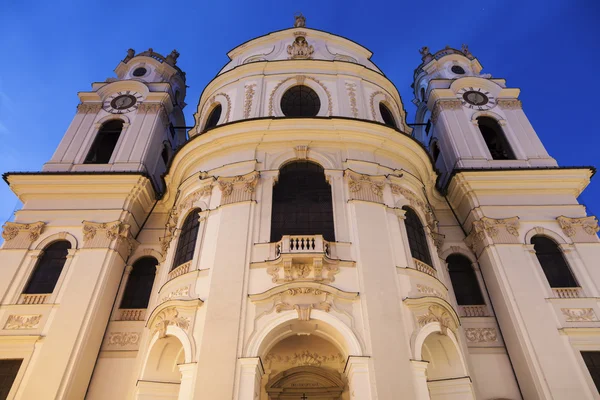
x: 303, y: 397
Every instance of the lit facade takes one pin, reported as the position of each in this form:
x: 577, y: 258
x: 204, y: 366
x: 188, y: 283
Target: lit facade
x: 304, y: 241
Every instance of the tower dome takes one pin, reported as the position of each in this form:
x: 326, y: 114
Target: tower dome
x: 299, y: 72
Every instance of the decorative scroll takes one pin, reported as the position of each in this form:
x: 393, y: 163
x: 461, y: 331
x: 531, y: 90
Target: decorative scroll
x: 301, y: 151
x: 239, y: 188
x: 365, y: 187
x: 303, y: 300
x: 248, y: 97
x: 579, y: 229
x: 351, y: 88
x: 300, y: 49
x: 91, y: 108
x: 490, y: 230
x: 18, y: 235
x: 115, y: 235
x: 579, y: 314
x: 123, y: 339
x: 436, y: 313
x: 169, y: 316
x: 481, y: 335
x: 442, y: 105
x: 429, y: 291
x: 31, y: 321
x: 177, y: 294
x: 316, y: 271
x: 304, y: 358
x: 509, y: 104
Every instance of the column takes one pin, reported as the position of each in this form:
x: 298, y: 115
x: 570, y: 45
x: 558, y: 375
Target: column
x: 357, y: 371
x: 188, y: 377
x: 249, y: 372
x: 420, y: 375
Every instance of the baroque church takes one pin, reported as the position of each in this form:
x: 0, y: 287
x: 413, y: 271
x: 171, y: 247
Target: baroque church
x: 300, y: 239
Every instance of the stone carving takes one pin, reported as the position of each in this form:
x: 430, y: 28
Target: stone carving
x: 504, y: 230
x: 178, y: 293
x: 301, y: 151
x: 151, y: 107
x: 90, y: 229
x: 123, y: 339
x: 300, y: 49
x: 436, y: 314
x: 299, y: 21
x: 300, y: 77
x: 170, y: 316
x: 238, y: 188
x: 481, y: 335
x: 442, y: 105
x: 509, y: 104
x: 101, y: 234
x: 305, y: 357
x: 425, y: 54
x: 248, y: 97
x: 31, y: 321
x: 429, y: 291
x: 579, y: 314
x: 351, y: 88
x: 290, y: 272
x: 569, y: 225
x: 92, y: 108
x: 365, y: 187
x: 12, y: 229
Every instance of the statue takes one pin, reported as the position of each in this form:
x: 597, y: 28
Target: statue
x: 465, y: 50
x: 172, y: 58
x: 425, y: 54
x: 130, y: 55
x: 300, y: 21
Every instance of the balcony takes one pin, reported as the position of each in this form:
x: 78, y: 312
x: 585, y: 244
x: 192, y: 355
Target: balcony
x: 473, y: 311
x: 180, y: 270
x: 421, y: 266
x: 567, y: 293
x: 37, y: 298
x: 302, y: 244
x: 132, y: 314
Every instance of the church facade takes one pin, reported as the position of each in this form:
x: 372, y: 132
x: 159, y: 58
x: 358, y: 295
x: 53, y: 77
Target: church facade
x: 302, y: 240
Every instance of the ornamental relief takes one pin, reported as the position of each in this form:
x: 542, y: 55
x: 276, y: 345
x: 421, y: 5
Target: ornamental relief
x: 481, y: 335
x: 579, y: 314
x: 488, y: 231
x: 300, y: 49
x: 438, y: 314
x: 429, y: 291
x: 579, y: 229
x: 115, y: 235
x: 304, y: 358
x: 248, y: 97
x: 182, y: 292
x: 417, y: 203
x: 303, y: 301
x: 92, y: 108
x: 312, y: 271
x: 351, y: 89
x: 17, y: 235
x: 169, y: 316
x: 123, y: 339
x: 15, y: 322
x: 365, y: 187
x: 238, y: 188
x: 442, y: 105
x: 509, y: 104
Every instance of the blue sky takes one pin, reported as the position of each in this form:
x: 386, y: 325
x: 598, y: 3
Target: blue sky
x: 53, y: 49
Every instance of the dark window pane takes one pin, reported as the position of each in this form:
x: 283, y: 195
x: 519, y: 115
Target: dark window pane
x: 553, y: 263
x: 302, y: 203
x: 435, y: 152
x: 48, y: 269
x: 464, y: 281
x: 387, y: 116
x: 187, y: 239
x: 495, y: 139
x: 416, y: 237
x: 8, y: 373
x: 592, y: 361
x: 105, y: 143
x: 300, y: 101
x: 139, y: 284
x: 213, y: 118
x: 165, y: 155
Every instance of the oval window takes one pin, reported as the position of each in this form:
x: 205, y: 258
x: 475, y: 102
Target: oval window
x: 213, y: 118
x: 300, y: 101
x: 387, y: 116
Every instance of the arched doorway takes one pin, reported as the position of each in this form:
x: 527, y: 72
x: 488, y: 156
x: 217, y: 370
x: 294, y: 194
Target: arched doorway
x: 161, y: 374
x: 304, y: 366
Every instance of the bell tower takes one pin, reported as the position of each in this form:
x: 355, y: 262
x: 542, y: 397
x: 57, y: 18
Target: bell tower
x: 126, y: 124
x: 470, y: 120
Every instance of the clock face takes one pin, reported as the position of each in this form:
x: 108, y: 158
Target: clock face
x: 476, y: 99
x: 122, y: 102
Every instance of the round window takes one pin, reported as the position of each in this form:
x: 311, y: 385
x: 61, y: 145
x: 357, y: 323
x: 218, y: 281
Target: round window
x: 387, y: 116
x: 300, y: 101
x: 141, y: 71
x: 458, y: 70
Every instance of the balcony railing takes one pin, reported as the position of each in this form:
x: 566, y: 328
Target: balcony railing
x: 302, y: 244
x: 38, y: 298
x: 421, y: 266
x: 567, y: 293
x: 180, y: 270
x: 473, y: 311
x: 132, y: 314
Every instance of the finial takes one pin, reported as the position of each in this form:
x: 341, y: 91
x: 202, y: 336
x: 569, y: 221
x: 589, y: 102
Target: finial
x: 425, y: 54
x: 465, y: 50
x: 300, y: 20
x: 130, y: 55
x: 172, y: 58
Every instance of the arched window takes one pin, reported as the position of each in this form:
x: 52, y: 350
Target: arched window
x: 187, y: 239
x: 553, y: 263
x: 213, y: 117
x: 139, y: 285
x: 302, y: 202
x: 464, y: 281
x: 105, y: 142
x: 387, y: 116
x: 422, y: 94
x: 300, y: 101
x: 495, y: 139
x: 48, y: 269
x: 416, y: 236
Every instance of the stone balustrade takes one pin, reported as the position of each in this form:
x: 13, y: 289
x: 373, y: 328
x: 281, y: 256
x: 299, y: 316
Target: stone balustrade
x: 421, y: 266
x: 37, y: 298
x: 567, y: 293
x: 132, y: 314
x: 180, y: 270
x: 302, y: 244
x: 473, y: 311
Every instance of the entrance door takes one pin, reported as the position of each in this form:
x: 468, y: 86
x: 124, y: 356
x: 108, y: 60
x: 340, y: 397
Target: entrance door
x: 311, y: 383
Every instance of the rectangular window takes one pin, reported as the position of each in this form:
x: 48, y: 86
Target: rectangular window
x: 8, y: 373
x: 592, y: 361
